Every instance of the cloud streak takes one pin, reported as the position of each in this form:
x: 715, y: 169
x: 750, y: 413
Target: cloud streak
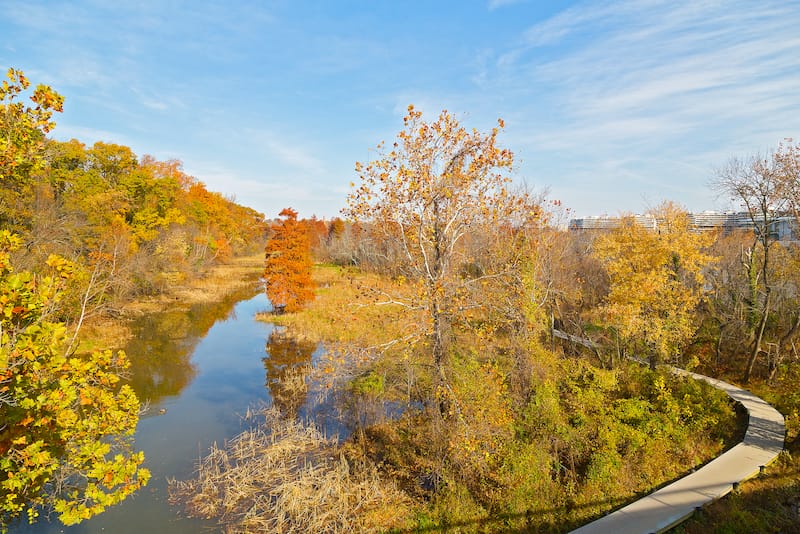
x: 649, y: 83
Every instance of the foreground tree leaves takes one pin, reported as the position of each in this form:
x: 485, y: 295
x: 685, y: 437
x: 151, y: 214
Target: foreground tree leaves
x: 23, y: 129
x: 66, y: 439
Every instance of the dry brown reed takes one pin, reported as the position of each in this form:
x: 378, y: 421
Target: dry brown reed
x: 212, y: 285
x: 294, y: 381
x: 289, y: 393
x: 284, y: 476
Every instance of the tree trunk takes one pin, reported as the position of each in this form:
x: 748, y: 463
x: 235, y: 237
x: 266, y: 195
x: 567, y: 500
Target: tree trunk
x: 440, y: 400
x: 438, y: 340
x: 759, y: 338
x: 718, y: 347
x: 780, y: 350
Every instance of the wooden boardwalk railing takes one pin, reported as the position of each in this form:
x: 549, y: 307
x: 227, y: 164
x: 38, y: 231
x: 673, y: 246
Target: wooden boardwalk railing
x: 674, y: 503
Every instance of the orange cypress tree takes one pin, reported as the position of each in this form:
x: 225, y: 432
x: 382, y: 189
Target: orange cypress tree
x: 288, y: 264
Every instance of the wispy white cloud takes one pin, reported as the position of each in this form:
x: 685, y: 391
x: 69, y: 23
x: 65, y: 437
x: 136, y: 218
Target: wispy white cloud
x: 45, y: 18
x: 659, y: 85
x: 89, y: 136
x: 159, y: 100
x: 569, y: 22
x: 291, y: 154
x: 269, y: 195
x: 496, y: 4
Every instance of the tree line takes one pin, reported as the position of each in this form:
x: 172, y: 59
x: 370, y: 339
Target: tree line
x: 133, y: 225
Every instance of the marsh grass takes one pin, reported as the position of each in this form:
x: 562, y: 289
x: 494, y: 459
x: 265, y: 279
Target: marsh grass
x: 367, y: 324
x: 210, y: 286
x: 284, y: 476
x: 293, y: 383
x: 104, y: 332
x: 354, y: 308
x: 290, y: 392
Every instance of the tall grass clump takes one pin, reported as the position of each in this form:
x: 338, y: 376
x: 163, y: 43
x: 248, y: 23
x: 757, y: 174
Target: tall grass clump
x: 284, y: 476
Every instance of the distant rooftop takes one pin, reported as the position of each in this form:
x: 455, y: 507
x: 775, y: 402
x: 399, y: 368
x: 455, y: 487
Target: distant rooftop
x: 782, y: 226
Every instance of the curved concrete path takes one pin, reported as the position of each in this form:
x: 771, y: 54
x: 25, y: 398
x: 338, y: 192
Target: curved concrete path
x: 674, y: 503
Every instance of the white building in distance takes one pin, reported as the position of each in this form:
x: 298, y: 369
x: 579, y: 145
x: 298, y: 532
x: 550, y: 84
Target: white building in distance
x: 782, y: 227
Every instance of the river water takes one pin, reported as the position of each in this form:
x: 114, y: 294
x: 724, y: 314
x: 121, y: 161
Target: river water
x: 200, y: 370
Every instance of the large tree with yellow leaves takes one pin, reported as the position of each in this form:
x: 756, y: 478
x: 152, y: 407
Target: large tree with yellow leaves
x: 656, y: 281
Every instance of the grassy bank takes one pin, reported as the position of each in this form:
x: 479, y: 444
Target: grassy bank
x: 351, y: 307
x: 214, y: 284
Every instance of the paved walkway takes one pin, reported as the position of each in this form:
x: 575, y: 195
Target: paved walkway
x: 674, y: 503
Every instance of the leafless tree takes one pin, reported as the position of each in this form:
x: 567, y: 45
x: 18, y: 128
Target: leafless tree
x: 755, y: 183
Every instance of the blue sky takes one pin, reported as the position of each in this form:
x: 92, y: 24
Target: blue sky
x: 611, y: 106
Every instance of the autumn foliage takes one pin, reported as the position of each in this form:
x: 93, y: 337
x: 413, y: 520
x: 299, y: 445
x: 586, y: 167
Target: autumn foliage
x: 66, y: 439
x: 657, y: 282
x: 439, y: 186
x: 288, y: 264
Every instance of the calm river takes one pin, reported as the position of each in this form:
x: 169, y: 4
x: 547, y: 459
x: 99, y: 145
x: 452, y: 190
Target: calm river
x: 200, y: 370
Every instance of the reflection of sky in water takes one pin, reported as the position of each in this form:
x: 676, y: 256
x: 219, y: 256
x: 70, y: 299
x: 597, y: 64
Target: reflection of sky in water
x: 205, y: 384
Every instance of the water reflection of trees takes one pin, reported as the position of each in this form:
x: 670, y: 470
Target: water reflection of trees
x: 287, y: 363
x: 163, y: 344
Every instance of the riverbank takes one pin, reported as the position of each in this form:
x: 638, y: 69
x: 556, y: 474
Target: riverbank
x: 237, y: 274
x: 351, y: 307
